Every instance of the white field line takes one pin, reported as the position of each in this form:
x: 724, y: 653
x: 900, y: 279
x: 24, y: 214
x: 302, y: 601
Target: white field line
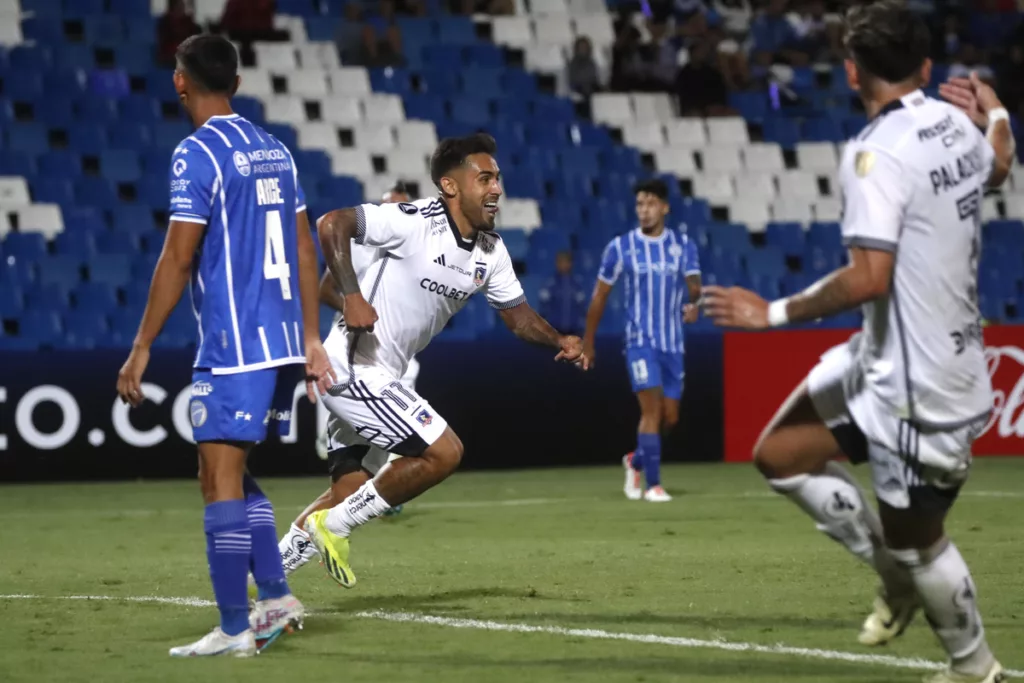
x: 597, y: 634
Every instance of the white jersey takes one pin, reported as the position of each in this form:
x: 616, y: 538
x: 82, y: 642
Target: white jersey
x: 425, y: 274
x: 913, y: 182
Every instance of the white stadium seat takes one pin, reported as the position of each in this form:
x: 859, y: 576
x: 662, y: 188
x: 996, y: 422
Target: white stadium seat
x: 717, y: 188
x: 1014, y: 205
x: 352, y: 162
x: 676, y: 160
x: 751, y: 212
x: 208, y: 10
x: 318, y: 55
x: 5, y: 223
x: 10, y: 33
x: 384, y: 108
x: 406, y: 161
x: 791, y: 209
x: 10, y: 10
x: 518, y: 213
x: 756, y: 185
x: 764, y: 157
x: 349, y: 80
x: 686, y: 132
x: 295, y: 26
x: 514, y: 31
x: 418, y: 135
x: 721, y: 159
x: 255, y: 83
x: 14, y: 192
x: 341, y: 109
x: 611, y: 108
x: 307, y: 83
x: 375, y: 187
x: 545, y: 58
x: 798, y: 184
x: 990, y: 208
x: 730, y: 130
x: 587, y: 7
x: 42, y: 218
x: 276, y: 57
x: 548, y: 7
x: 816, y: 156
x: 828, y: 209
x: 653, y: 107
x: 649, y: 137
x: 319, y: 135
x: 424, y: 181
x: 596, y: 27
x: 553, y: 28
x: 284, y: 109
x: 375, y: 137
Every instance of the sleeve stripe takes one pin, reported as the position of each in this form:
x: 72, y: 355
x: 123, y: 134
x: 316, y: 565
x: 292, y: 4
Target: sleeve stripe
x: 360, y: 225
x: 692, y: 272
x: 188, y: 218
x: 872, y: 243
x: 300, y: 209
x: 606, y: 280
x: 505, y: 305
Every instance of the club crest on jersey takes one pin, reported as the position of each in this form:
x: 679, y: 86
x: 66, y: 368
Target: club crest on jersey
x: 424, y: 418
x: 197, y: 413
x: 675, y: 251
x: 179, y: 167
x: 241, y: 163
x: 408, y: 209
x: 863, y: 162
x: 479, y: 273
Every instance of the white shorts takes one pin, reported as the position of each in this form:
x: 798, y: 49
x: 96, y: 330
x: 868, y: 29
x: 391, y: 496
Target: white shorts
x: 911, y: 465
x: 375, y: 409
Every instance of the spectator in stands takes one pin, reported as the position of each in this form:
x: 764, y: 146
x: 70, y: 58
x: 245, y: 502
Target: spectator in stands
x: 582, y: 72
x: 563, y: 298
x: 700, y: 86
x: 947, y: 40
x: 250, y: 20
x: 627, y: 64
x: 818, y: 34
x: 774, y: 37
x: 735, y: 16
x: 969, y: 59
x: 660, y: 55
x: 172, y: 29
x: 1010, y: 74
x: 375, y: 41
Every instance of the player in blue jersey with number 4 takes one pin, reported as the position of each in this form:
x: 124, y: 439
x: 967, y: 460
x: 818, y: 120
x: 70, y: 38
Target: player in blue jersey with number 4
x: 239, y: 231
x: 661, y: 269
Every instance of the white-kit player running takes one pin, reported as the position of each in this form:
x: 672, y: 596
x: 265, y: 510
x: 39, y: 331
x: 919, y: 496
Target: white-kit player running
x: 436, y: 253
x: 350, y: 466
x: 910, y: 392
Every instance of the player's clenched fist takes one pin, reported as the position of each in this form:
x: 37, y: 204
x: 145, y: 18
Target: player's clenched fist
x: 129, y: 379
x: 359, y: 315
x: 572, y: 352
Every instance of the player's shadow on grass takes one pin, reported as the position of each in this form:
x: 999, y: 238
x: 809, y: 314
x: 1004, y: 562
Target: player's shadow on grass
x: 447, y: 600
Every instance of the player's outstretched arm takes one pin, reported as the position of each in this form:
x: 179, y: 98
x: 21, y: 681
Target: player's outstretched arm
x: 337, y: 229
x: 319, y: 372
x: 598, y: 301
x: 528, y: 325
x: 979, y: 101
x: 169, y: 279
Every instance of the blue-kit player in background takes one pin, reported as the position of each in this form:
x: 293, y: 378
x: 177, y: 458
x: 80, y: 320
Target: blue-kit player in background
x: 240, y: 236
x: 662, y: 274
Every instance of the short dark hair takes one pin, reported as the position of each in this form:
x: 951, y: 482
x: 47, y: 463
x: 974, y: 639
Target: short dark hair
x: 210, y: 61
x: 655, y: 186
x: 887, y: 39
x: 400, y: 188
x: 452, y: 152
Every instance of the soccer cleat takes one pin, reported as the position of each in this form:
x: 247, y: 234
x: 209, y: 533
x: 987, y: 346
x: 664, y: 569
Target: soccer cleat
x: 889, y: 620
x: 656, y: 494
x: 216, y: 643
x: 391, y: 512
x: 270, y: 618
x: 321, y: 445
x: 333, y: 549
x: 994, y: 675
x: 632, y: 488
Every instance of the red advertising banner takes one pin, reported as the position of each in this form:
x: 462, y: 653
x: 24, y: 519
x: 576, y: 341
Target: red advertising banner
x: 762, y: 368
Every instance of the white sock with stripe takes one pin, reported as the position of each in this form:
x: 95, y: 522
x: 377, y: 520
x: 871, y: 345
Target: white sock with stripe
x: 356, y: 510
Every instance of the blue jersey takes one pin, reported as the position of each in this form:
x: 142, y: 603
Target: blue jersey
x: 655, y: 271
x: 242, y: 184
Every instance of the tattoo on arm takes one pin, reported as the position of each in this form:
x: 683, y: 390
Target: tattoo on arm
x: 693, y: 285
x: 337, y: 229
x: 830, y: 295
x: 527, y: 324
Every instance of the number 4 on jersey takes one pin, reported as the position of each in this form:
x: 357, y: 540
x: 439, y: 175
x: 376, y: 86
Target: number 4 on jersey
x: 274, y: 265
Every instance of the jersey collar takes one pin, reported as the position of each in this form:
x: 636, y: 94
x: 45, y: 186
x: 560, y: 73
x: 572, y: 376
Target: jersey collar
x: 653, y: 240
x: 224, y: 117
x: 460, y: 241
x: 898, y: 104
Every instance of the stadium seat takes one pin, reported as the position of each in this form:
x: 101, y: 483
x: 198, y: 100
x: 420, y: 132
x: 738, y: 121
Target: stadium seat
x: 112, y: 269
x: 788, y: 237
x: 44, y: 327
x: 45, y: 219
x: 120, y: 166
x: 79, y: 243
x: 25, y: 245
x: 86, y: 324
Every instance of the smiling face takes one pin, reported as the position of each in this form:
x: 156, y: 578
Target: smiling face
x: 475, y: 186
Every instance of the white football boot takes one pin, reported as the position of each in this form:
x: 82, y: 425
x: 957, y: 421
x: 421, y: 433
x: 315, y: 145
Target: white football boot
x: 656, y: 494
x: 216, y: 642
x: 270, y: 618
x: 889, y: 620
x: 633, y: 488
x: 994, y: 675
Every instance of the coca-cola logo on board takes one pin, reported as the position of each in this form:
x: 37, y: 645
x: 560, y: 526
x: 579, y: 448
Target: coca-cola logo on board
x: 1006, y: 405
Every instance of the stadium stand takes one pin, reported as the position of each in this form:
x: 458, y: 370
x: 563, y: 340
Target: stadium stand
x: 88, y: 120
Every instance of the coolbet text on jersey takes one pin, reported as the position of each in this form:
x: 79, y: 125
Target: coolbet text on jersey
x: 242, y: 184
x: 654, y: 270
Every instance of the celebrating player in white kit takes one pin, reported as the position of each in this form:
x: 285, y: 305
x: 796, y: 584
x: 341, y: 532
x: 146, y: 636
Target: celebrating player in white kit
x: 435, y: 254
x: 911, y: 392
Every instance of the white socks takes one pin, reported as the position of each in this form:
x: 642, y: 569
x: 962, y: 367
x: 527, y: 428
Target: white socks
x: 356, y: 510
x: 947, y: 593
x: 296, y: 549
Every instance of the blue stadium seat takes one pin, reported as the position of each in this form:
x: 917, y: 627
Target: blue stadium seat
x: 248, y: 108
x: 84, y: 218
x: 284, y: 133
x: 344, y: 191
x: 794, y: 283
x: 17, y: 272
x: 767, y: 286
x: 442, y: 82
x: 417, y: 28
x: 120, y: 166
x: 553, y: 109
x: 583, y: 160
x: 25, y: 245
x: 12, y: 302
x: 853, y: 125
x: 549, y: 240
x: 781, y: 131
x: 171, y: 133
x: 100, y: 29
x: 87, y: 138
x: 131, y: 136
x: 752, y: 106
x: 112, y: 269
x: 68, y: 82
x: 111, y: 83
x: 140, y: 30
x: 825, y: 235
x: 296, y: 8
x: 997, y: 286
x: 43, y: 8
x: 561, y: 215
x: 1005, y: 233
x: 160, y: 85
x: 30, y: 138
x: 97, y: 192
x: 820, y: 261
x: 6, y: 115
x: 54, y: 111
x: 48, y: 297
x: 519, y: 81
x: 511, y: 108
x: 627, y: 160
x: 517, y: 243
x: 111, y: 242
x: 991, y: 309
x: 133, y: 219
x: 139, y: 108
x: 124, y: 321
x: 456, y: 30
x: 64, y: 270
x: 588, y: 135
x: 16, y: 162
x: 524, y: 185
x: 441, y: 57
x: 45, y: 30
x: 485, y: 55
x: 41, y: 326
x: 87, y: 324
x: 789, y: 237
x: 320, y: 30
x: 312, y: 162
x: 479, y: 82
x: 182, y: 321
x: 80, y: 243
x: 53, y: 191
x: 731, y: 236
x: 822, y: 129
x: 157, y: 161
x: 34, y: 58
x: 428, y: 107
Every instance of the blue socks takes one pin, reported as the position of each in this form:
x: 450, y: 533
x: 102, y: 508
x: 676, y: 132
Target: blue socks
x: 265, y: 560
x: 228, y: 546
x: 648, y: 457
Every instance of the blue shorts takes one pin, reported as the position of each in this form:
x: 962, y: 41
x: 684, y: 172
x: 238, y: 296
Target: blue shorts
x: 649, y: 368
x: 241, y: 406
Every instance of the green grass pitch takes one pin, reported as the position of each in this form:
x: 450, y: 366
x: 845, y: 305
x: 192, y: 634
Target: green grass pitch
x: 692, y: 584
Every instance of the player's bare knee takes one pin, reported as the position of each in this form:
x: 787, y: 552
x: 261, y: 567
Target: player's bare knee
x: 767, y: 459
x: 445, y: 454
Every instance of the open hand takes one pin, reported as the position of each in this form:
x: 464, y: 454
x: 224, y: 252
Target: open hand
x: 320, y: 375
x: 971, y: 96
x: 736, y: 307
